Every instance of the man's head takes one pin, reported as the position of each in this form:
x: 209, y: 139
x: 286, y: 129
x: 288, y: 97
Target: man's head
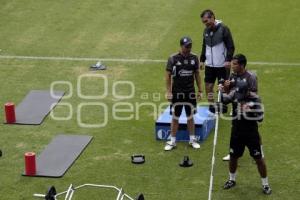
x: 208, y: 18
x: 238, y: 63
x: 186, y: 44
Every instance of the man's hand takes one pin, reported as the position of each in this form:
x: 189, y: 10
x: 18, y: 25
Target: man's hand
x: 245, y: 107
x: 201, y: 65
x: 227, y: 65
x: 225, y: 87
x: 169, y: 96
x: 221, y: 87
x: 227, y: 83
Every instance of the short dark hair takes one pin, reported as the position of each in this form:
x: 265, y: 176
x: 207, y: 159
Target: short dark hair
x: 207, y: 12
x: 241, y: 59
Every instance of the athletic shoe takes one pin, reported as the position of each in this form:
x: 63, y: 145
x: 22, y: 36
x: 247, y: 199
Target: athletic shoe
x: 170, y: 145
x: 226, y: 158
x: 229, y: 184
x: 194, y: 144
x: 267, y: 190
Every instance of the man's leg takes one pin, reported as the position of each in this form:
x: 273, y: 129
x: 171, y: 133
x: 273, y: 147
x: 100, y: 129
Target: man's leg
x: 233, y: 163
x: 261, y: 166
x: 210, y: 79
x: 191, y: 128
x: 237, y: 148
x: 255, y: 149
x: 190, y: 109
x: 209, y: 89
x: 262, y: 169
x: 174, y: 126
x: 176, y: 112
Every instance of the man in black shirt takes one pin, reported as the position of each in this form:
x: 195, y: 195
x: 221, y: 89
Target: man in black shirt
x: 181, y: 72
x: 241, y: 91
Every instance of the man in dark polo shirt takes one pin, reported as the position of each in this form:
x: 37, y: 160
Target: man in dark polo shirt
x: 217, y: 51
x: 181, y: 72
x: 241, y: 91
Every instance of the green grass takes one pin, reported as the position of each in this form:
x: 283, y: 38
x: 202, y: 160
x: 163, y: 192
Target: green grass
x: 263, y: 30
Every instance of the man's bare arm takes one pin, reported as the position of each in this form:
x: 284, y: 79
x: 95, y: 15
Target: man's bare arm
x: 168, y: 85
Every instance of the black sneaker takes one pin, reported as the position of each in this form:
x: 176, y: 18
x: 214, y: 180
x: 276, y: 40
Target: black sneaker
x: 229, y: 184
x: 267, y: 190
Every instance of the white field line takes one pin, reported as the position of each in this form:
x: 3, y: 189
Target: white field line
x: 213, y: 159
x: 128, y: 60
x: 82, y: 59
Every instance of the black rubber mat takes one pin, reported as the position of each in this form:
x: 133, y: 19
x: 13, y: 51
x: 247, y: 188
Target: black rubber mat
x: 60, y: 154
x: 36, y: 106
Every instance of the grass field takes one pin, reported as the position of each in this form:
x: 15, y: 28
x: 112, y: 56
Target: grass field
x: 265, y: 31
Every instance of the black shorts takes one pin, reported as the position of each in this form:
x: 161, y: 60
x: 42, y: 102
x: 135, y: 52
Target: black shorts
x: 242, y: 138
x: 186, y: 100
x: 213, y: 73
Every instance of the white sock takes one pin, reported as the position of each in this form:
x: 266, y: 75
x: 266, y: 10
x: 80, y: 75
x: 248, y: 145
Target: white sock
x: 173, y: 139
x: 232, y: 176
x: 264, y: 181
x: 192, y: 138
x: 262, y: 151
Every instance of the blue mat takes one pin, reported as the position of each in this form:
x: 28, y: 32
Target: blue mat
x: 204, y: 123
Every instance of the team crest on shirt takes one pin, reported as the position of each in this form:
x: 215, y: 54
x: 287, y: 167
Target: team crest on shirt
x: 178, y: 63
x: 184, y: 72
x: 256, y: 153
x: 186, y: 62
x: 193, y: 62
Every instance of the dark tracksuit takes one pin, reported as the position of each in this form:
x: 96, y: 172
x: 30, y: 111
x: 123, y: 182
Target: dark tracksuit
x: 217, y: 48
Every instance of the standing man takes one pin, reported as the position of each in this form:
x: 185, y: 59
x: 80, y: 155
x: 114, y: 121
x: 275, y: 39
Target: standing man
x: 181, y: 72
x: 241, y: 90
x: 217, y: 51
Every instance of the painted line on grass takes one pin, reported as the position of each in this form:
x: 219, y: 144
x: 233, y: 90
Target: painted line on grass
x: 126, y: 60
x: 82, y: 59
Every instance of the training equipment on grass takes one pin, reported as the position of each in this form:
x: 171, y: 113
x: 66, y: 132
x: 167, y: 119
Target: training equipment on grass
x: 30, y: 164
x: 51, y: 193
x: 186, y: 162
x: 59, y: 155
x: 204, y: 123
x: 214, y: 147
x: 36, y: 106
x: 68, y: 194
x: 98, y: 66
x: 138, y: 159
x: 10, y: 113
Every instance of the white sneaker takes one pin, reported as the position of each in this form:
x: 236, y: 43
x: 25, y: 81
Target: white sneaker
x: 194, y: 144
x: 170, y: 145
x: 226, y: 158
